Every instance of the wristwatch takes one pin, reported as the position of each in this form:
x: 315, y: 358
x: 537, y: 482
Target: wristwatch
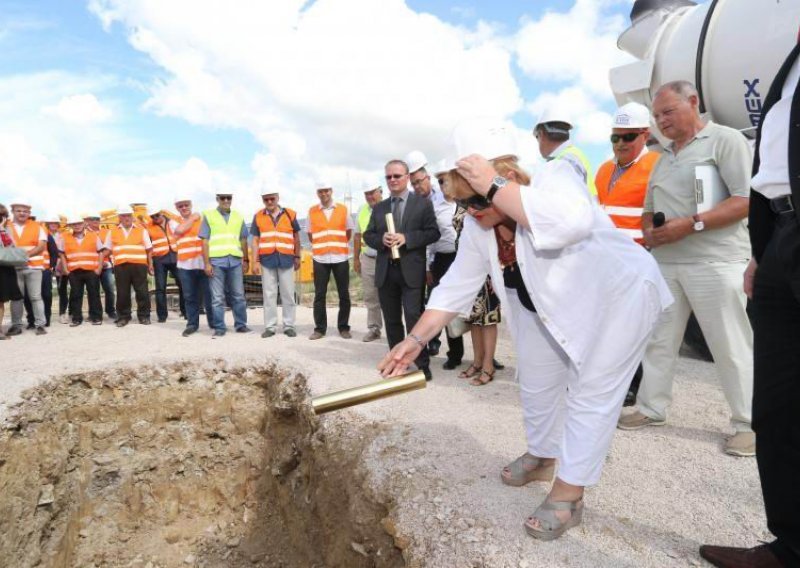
x: 498, y: 182
x: 698, y: 224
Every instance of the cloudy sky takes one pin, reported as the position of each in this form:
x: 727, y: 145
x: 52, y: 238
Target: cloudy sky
x: 105, y: 102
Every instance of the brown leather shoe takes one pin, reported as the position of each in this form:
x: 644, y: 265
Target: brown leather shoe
x: 729, y: 557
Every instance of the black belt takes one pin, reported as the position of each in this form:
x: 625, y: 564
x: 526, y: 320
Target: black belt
x: 782, y: 204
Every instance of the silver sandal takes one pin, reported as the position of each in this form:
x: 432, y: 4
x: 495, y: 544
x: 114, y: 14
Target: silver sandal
x: 551, y: 526
x: 527, y: 468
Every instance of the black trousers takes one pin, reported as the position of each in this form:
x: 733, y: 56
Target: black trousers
x: 441, y: 262
x: 398, y: 299
x: 127, y: 275
x: 776, y: 387
x: 162, y: 270
x: 47, y: 298
x: 63, y: 295
x: 78, y: 279
x: 322, y: 275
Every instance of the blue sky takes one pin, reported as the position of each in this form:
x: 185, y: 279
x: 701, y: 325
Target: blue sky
x: 108, y: 99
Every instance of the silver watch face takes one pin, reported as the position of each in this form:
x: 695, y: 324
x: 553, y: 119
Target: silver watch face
x: 499, y: 181
x: 699, y: 226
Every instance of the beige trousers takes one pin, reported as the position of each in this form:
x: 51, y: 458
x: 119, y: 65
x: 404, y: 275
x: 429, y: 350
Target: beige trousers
x: 374, y: 318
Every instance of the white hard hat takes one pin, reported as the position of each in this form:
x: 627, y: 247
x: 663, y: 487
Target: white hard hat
x: 440, y: 168
x: 180, y: 198
x: 322, y: 184
x: 554, y: 113
x: 86, y: 215
x: 631, y: 115
x: 20, y: 202
x: 488, y: 138
x: 415, y: 160
x: 74, y: 218
x: 124, y: 210
x: 50, y: 217
x: 367, y: 187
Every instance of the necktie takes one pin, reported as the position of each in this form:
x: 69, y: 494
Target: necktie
x: 397, y: 211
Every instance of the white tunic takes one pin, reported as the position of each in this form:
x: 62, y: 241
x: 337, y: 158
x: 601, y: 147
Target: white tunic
x: 580, y: 271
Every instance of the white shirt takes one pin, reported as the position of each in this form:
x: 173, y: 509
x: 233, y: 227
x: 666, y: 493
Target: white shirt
x: 19, y: 228
x: 444, y: 211
x: 333, y: 258
x: 772, y: 179
x: 584, y: 276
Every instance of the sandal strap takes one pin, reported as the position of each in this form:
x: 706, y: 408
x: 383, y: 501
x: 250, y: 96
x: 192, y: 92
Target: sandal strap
x: 546, y: 513
x: 517, y: 467
x: 571, y: 506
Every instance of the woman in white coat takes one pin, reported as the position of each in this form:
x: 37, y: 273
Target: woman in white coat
x: 581, y: 298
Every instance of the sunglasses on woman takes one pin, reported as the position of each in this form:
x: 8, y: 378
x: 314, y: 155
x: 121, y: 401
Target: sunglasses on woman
x: 628, y: 137
x: 476, y: 202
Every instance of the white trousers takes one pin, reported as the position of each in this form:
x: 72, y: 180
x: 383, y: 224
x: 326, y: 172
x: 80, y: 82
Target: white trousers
x: 713, y: 290
x: 571, y: 414
x: 29, y: 281
x: 272, y: 280
x: 374, y: 317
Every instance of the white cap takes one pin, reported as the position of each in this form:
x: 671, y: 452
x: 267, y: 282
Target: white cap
x: 322, y: 184
x: 180, y: 198
x: 488, y: 138
x: 415, y: 160
x: 124, y: 210
x: 631, y: 115
x: 554, y: 113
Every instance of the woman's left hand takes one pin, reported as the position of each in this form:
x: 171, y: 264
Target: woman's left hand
x: 478, y: 172
x: 398, y: 359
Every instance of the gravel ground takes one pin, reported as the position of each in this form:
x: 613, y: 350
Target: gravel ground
x: 664, y: 490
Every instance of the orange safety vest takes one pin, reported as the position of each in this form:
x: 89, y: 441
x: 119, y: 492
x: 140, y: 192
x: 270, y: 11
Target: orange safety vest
x: 189, y: 244
x: 163, y: 241
x: 103, y: 234
x: 130, y: 249
x: 624, y: 202
x: 29, y: 240
x: 328, y: 237
x: 81, y: 255
x: 272, y: 237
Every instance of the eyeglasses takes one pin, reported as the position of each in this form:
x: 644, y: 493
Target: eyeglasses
x: 476, y: 202
x: 628, y: 137
x: 183, y: 205
x: 416, y: 182
x: 225, y: 197
x: 390, y: 177
x: 270, y: 198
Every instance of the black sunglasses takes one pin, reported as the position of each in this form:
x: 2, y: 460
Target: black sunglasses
x: 628, y: 137
x: 225, y: 197
x: 394, y: 176
x: 476, y: 202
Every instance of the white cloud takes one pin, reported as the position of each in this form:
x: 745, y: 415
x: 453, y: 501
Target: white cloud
x: 79, y: 109
x: 331, y: 87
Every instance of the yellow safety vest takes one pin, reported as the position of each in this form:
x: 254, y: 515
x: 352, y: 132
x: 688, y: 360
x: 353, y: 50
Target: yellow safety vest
x: 364, y: 215
x: 224, y: 238
x: 575, y: 151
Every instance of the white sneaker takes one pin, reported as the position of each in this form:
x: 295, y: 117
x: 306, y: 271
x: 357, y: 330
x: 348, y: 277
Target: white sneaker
x: 63, y: 318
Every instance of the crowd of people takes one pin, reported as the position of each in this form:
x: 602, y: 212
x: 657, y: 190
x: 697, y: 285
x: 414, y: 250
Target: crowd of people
x: 596, y: 277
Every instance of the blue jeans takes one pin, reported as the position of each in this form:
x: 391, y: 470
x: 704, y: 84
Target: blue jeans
x: 161, y: 271
x: 230, y: 281
x: 107, y: 282
x: 196, y: 290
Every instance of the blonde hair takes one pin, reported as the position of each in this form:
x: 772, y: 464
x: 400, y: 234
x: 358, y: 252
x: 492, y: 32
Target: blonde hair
x: 459, y: 188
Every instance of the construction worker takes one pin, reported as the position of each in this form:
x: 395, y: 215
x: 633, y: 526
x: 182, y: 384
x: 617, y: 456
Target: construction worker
x: 329, y: 230
x: 224, y: 236
x: 81, y: 254
x: 92, y: 221
x: 191, y: 266
x: 622, y: 183
x: 364, y: 262
x: 131, y: 252
x: 420, y: 178
x: 276, y: 248
x: 552, y: 134
x: 52, y: 225
x: 30, y: 236
x: 165, y: 260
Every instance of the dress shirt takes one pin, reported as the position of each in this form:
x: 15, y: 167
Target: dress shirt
x: 772, y: 179
x: 444, y: 211
x: 228, y: 261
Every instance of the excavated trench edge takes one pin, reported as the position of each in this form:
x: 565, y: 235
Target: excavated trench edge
x: 186, y: 465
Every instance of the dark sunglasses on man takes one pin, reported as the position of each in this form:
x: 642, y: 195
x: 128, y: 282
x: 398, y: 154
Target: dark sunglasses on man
x: 394, y: 176
x: 476, y: 202
x: 627, y: 137
x: 225, y: 197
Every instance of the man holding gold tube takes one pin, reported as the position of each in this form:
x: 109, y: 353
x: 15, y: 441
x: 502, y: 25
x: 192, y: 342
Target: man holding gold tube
x: 401, y: 262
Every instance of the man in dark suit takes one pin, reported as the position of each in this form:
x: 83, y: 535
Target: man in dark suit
x: 772, y: 281
x: 401, y: 282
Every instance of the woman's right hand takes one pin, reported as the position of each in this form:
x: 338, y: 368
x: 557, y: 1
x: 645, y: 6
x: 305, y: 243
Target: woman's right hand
x: 400, y: 358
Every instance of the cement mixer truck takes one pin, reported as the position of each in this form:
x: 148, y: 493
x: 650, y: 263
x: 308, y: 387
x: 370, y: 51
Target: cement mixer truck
x: 730, y: 49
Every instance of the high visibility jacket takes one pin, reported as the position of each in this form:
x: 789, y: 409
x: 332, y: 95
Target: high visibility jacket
x: 581, y: 157
x: 272, y: 237
x: 27, y: 240
x: 189, y: 244
x: 163, y: 240
x: 103, y: 234
x: 624, y: 201
x: 364, y: 215
x: 130, y: 249
x: 224, y: 238
x: 328, y: 237
x: 81, y: 255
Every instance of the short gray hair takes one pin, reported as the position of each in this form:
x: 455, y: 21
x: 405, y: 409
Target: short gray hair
x: 683, y: 89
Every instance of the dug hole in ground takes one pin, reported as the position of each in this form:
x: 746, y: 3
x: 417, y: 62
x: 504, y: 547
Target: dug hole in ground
x: 137, y: 447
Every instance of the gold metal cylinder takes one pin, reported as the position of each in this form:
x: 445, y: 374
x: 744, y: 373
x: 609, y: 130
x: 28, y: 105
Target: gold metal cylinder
x: 391, y: 229
x: 366, y: 393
